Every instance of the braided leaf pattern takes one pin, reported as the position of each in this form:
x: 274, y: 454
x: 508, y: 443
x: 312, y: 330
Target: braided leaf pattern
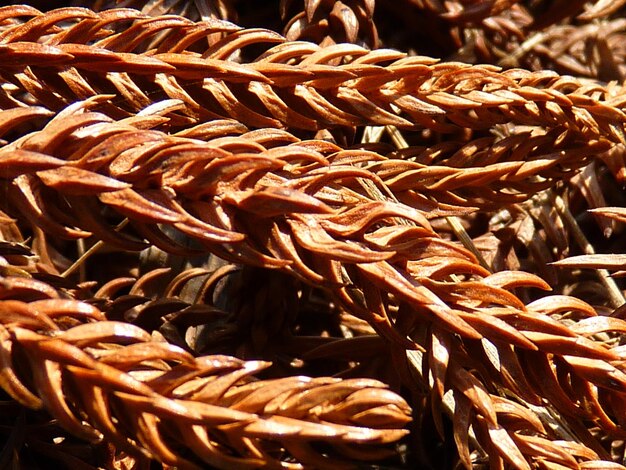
x: 172, y: 137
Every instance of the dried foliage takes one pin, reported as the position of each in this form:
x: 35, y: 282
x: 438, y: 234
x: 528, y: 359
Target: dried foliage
x: 123, y: 387
x: 289, y: 234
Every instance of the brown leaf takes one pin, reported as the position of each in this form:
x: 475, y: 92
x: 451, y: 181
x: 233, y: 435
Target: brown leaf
x: 610, y: 262
x: 18, y: 162
x: 75, y: 181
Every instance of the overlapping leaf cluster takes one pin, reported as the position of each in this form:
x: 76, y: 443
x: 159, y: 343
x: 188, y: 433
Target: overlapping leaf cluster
x: 369, y: 230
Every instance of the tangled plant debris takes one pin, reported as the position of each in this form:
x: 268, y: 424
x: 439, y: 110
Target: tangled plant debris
x: 312, y: 234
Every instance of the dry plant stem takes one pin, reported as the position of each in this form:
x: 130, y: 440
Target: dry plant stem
x: 513, y: 59
x: 112, y: 372
x: 291, y: 208
x: 413, y: 92
x: 79, y: 263
x: 590, y: 50
x: 441, y: 96
x: 122, y: 115
x: 615, y: 294
x: 172, y: 206
x: 338, y: 235
x: 454, y: 222
x: 466, y: 240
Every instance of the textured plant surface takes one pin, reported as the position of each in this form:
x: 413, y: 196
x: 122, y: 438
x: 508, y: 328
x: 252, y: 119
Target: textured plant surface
x: 313, y: 234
